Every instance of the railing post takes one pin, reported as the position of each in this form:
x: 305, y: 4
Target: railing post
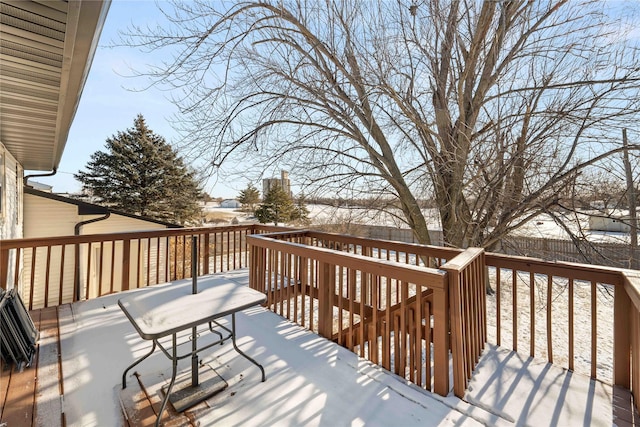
x: 4, y: 267
x: 457, y: 345
x: 126, y: 263
x: 255, y: 267
x: 441, y: 340
x: 326, y: 289
x: 621, y: 338
x: 206, y: 255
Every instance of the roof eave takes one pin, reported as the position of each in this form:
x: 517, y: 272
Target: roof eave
x: 84, y: 26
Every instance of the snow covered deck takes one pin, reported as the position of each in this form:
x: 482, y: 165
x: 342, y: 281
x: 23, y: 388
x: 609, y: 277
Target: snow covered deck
x: 312, y: 381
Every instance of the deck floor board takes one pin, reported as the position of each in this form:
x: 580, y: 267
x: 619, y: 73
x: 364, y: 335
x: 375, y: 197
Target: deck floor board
x: 48, y: 403
x: 19, y: 402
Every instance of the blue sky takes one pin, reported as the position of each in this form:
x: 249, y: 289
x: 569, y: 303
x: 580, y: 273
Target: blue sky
x: 109, y: 104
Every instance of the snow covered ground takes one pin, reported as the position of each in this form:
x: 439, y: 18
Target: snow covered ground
x: 542, y: 226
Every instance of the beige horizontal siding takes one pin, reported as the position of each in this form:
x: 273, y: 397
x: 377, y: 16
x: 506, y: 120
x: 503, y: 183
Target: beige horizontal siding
x: 47, y: 218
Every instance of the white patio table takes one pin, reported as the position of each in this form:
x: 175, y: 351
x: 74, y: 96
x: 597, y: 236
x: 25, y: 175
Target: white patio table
x: 163, y: 311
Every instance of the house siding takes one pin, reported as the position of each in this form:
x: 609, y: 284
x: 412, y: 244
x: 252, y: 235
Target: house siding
x: 48, y: 218
x: 11, y: 226
x: 11, y: 174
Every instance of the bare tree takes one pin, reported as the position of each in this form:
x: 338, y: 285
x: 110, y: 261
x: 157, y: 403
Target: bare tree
x: 492, y: 108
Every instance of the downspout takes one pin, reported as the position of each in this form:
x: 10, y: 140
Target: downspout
x: 26, y: 178
x: 76, y: 232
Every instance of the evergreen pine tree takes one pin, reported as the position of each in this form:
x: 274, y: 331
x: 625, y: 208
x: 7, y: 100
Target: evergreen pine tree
x: 301, y: 213
x: 277, y: 207
x: 249, y: 197
x: 140, y: 173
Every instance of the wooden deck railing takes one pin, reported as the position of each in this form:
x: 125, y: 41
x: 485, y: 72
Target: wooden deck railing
x: 624, y: 377
x: 580, y: 317
x: 377, y: 298
x: 467, y: 289
x: 57, y: 270
x: 374, y: 307
x: 370, y: 294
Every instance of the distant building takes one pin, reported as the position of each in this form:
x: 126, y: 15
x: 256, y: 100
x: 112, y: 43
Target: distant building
x: 616, y: 221
x: 282, y: 182
x: 230, y: 203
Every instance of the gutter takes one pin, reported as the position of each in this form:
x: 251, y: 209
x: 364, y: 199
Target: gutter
x: 26, y: 178
x: 76, y: 232
x: 76, y: 228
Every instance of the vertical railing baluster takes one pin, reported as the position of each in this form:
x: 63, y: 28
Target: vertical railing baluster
x: 88, y: 276
x: 126, y: 263
x: 570, y: 316
x: 304, y: 288
x: 340, y: 284
x: 532, y: 315
x: 594, y: 330
x: 549, y: 319
x: 4, y: 266
x: 157, y: 275
x: 147, y: 273
x: 61, y: 280
x: 113, y: 263
x: 100, y: 263
x: 514, y: 308
x: 47, y: 277
x: 498, y: 305
x: 351, y: 279
x: 139, y: 264
x: 206, y: 254
x: 229, y: 239
x: 183, y: 273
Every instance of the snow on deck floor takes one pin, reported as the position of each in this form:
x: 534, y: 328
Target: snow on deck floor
x: 310, y: 380
x: 531, y: 392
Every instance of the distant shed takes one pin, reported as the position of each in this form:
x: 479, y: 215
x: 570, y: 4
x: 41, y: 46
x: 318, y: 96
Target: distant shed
x: 614, y: 221
x: 230, y: 203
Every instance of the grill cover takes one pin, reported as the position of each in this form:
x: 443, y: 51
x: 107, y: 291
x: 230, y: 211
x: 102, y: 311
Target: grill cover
x: 18, y: 334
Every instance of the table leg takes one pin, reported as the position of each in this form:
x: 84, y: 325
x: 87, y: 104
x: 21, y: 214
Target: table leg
x: 174, y: 362
x: 195, y: 381
x: 124, y: 374
x: 233, y: 339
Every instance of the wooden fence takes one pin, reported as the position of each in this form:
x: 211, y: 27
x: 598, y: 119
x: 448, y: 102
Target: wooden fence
x: 581, y: 251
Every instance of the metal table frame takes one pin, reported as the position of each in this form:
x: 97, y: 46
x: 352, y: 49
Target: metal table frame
x: 173, y: 297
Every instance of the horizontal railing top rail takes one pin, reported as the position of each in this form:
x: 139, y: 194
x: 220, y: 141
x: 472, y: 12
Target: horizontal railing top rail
x: 577, y: 271
x: 416, y: 248
x: 130, y: 235
x: 380, y: 267
x: 601, y: 274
